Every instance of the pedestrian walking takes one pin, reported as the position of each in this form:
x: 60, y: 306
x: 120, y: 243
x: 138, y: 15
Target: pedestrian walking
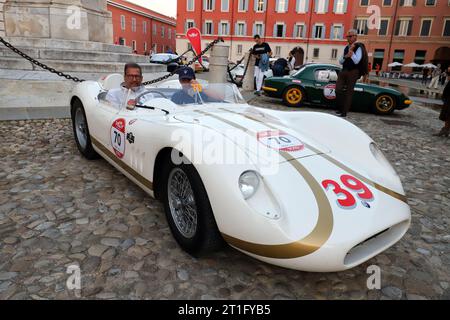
x: 435, y: 77
x: 262, y: 52
x: 354, y: 65
x: 425, y: 76
x: 377, y: 69
x: 445, y: 111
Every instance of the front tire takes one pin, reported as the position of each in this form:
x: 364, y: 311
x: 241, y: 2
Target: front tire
x: 293, y: 96
x: 81, y: 131
x: 384, y: 104
x: 188, y: 211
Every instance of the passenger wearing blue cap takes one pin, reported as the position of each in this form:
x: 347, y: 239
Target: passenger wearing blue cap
x: 190, y: 90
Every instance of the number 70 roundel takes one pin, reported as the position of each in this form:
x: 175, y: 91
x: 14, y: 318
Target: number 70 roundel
x: 355, y: 186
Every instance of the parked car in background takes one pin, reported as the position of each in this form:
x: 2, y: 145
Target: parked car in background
x: 171, y: 60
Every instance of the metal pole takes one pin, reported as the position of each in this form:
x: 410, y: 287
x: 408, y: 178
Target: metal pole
x: 308, y: 34
x: 392, y: 33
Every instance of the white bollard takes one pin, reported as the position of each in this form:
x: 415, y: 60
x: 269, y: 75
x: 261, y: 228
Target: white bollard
x: 218, y: 63
x: 249, y: 78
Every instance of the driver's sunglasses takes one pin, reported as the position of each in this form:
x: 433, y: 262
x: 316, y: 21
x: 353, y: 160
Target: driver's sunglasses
x: 133, y: 76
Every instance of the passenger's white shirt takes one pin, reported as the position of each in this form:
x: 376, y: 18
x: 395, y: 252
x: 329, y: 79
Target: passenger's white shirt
x: 119, y: 97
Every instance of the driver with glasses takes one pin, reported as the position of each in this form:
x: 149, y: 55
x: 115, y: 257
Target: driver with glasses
x: 129, y: 90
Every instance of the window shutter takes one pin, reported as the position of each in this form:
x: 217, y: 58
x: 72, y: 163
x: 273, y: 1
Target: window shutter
x: 324, y: 31
x: 341, y: 34
x: 327, y: 5
x: 286, y: 6
x: 297, y: 7
x: 246, y: 5
x: 355, y: 24
x: 204, y: 5
x: 277, y: 2
x: 212, y: 28
x: 204, y: 27
x: 304, y: 31
x: 236, y: 29
x: 284, y: 30
x: 345, y: 6
x: 314, y: 30
x: 307, y: 5
x: 263, y: 31
x: 185, y: 26
x: 397, y: 28
x: 316, y: 6
x: 265, y: 6
x: 335, y: 6
x: 275, y: 30
x: 254, y: 29
x: 332, y: 31
x: 245, y: 29
x: 213, y: 4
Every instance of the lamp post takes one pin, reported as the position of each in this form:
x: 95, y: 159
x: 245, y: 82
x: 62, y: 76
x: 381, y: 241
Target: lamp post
x: 308, y: 34
x: 394, y: 22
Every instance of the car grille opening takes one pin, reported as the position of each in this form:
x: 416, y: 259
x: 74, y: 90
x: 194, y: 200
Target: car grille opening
x: 375, y: 244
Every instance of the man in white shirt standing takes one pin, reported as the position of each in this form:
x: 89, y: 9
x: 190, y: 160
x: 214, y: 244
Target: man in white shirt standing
x: 350, y: 73
x: 129, y: 90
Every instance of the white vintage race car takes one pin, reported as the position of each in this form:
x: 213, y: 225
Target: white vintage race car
x: 302, y: 190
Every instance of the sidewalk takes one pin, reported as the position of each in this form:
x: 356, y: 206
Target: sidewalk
x: 415, y: 84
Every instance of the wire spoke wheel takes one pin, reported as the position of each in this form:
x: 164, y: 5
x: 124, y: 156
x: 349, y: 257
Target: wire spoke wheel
x: 384, y: 104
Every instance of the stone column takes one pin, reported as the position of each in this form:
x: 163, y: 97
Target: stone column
x: 59, y: 19
x: 2, y: 19
x: 218, y: 63
x: 248, y: 81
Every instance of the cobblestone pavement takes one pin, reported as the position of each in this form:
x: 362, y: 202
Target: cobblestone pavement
x: 58, y: 209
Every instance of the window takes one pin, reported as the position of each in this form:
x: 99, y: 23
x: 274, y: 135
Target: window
x: 122, y: 22
x: 430, y: 2
x: 302, y: 6
x: 337, y: 32
x: 209, y: 5
x: 144, y: 27
x: 403, y: 27
x: 243, y: 5
x: 145, y: 47
x: 239, y: 49
x: 420, y: 58
x: 154, y: 29
x: 162, y: 31
x: 133, y: 24
x: 399, y: 56
x: 407, y: 3
x: 446, y: 32
x: 155, y: 48
x: 279, y: 30
x: 259, y: 28
x: 384, y: 23
x: 134, y: 45
x: 318, y: 31
x: 223, y: 30
x: 225, y: 5
x: 316, y: 52
x: 169, y: 33
x: 278, y: 51
x: 321, y: 6
x: 282, y: 6
x: 260, y: 5
x: 339, y: 6
x: 208, y: 27
x: 361, y: 26
x: 240, y: 29
x: 122, y: 41
x: 190, y: 5
x: 387, y: 3
x: 364, y: 3
x: 426, y: 28
x: 189, y: 24
x: 334, y: 53
x: 299, y: 30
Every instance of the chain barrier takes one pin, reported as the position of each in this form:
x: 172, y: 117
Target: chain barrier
x: 69, y: 77
x: 243, y: 76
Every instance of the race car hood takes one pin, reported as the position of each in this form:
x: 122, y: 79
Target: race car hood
x: 257, y: 133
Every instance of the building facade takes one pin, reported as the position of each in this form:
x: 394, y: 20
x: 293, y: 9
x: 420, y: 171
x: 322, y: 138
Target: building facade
x: 317, y: 26
x: 142, y: 29
x: 409, y: 31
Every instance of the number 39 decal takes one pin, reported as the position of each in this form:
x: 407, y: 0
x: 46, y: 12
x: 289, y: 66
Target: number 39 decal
x: 347, y: 200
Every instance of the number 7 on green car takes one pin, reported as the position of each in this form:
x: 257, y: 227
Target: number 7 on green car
x: 315, y: 84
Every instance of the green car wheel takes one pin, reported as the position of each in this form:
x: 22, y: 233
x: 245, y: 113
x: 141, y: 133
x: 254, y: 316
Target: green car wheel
x: 384, y: 104
x: 293, y: 96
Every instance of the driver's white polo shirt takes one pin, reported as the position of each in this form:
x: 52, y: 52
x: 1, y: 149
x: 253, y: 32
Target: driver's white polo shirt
x: 119, y: 97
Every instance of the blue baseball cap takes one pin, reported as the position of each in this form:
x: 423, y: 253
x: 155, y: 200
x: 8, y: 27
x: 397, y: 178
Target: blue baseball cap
x: 186, y: 73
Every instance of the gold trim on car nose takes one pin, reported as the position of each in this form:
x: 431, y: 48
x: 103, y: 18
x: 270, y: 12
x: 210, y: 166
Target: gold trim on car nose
x: 269, y: 89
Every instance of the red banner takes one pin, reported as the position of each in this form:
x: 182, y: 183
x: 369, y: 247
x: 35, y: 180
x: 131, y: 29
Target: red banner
x: 195, y: 37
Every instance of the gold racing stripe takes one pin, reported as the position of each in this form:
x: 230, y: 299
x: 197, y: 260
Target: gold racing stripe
x: 377, y: 186
x: 309, y: 244
x: 147, y: 183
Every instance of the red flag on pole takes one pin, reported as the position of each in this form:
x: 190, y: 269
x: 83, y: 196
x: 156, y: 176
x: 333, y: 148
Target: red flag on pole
x: 195, y: 37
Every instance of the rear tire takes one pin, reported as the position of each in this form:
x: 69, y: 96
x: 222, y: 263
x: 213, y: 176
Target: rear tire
x: 384, y: 104
x: 293, y: 96
x: 81, y: 131
x: 188, y: 210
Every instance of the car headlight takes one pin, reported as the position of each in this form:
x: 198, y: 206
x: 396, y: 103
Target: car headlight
x: 378, y: 154
x: 248, y: 183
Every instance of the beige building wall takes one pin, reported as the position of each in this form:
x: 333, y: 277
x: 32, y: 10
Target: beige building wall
x: 2, y: 19
x: 325, y: 50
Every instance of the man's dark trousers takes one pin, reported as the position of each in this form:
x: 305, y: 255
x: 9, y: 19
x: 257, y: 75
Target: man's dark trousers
x: 346, y: 80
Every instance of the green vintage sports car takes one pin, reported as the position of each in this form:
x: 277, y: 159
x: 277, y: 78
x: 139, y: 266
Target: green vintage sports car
x: 315, y: 84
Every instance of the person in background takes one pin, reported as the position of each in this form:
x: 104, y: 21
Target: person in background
x: 279, y: 67
x: 262, y: 52
x: 425, y: 76
x: 377, y: 69
x: 366, y: 76
x: 291, y: 60
x: 445, y: 111
x: 435, y: 77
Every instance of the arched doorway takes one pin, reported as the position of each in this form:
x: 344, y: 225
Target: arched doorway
x: 299, y: 56
x: 442, y: 56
